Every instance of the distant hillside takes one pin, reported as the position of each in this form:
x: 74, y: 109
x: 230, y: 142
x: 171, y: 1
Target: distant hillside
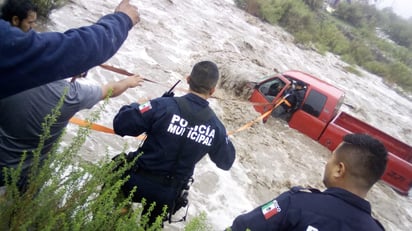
x: 350, y: 31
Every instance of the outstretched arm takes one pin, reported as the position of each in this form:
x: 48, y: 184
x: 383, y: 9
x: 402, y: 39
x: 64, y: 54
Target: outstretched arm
x: 59, y: 55
x: 117, y: 88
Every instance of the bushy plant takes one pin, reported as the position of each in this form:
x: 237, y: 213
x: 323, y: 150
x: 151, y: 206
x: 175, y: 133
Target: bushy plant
x: 273, y: 11
x: 298, y: 18
x: 331, y: 38
x: 377, y: 68
x: 46, y: 6
x: 353, y: 70
x: 314, y: 4
x: 398, y: 29
x: 64, y: 194
x: 358, y: 15
x: 199, y: 223
x: 250, y: 6
x: 399, y: 73
x: 360, y: 52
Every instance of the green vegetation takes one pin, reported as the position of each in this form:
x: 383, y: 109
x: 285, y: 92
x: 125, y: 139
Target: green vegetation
x: 65, y: 194
x: 351, y: 31
x: 46, y: 6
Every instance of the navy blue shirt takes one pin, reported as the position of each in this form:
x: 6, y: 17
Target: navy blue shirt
x: 168, y: 133
x: 30, y: 59
x: 298, y: 209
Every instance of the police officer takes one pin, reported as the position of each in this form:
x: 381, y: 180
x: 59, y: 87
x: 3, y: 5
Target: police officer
x: 354, y: 167
x: 180, y: 131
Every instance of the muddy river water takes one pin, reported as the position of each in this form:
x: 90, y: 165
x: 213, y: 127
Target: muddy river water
x: 271, y: 157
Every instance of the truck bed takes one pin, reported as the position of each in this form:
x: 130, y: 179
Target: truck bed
x: 398, y: 172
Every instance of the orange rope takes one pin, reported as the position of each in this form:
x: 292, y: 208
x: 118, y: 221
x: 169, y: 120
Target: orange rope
x: 249, y: 124
x: 102, y: 128
x: 127, y: 73
x: 97, y: 127
x: 93, y: 126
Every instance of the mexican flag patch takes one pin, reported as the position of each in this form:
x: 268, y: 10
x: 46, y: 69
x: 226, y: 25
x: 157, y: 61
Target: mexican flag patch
x: 271, y: 209
x: 145, y: 107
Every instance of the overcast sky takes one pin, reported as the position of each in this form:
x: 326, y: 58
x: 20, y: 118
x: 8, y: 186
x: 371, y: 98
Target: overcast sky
x: 400, y: 7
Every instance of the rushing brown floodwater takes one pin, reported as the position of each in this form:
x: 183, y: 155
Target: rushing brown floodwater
x: 172, y: 36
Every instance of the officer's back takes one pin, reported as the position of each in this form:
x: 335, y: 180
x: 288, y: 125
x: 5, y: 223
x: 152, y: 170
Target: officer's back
x: 353, y: 168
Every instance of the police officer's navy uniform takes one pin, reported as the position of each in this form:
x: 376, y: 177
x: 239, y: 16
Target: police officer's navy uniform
x: 334, y: 209
x: 178, y: 136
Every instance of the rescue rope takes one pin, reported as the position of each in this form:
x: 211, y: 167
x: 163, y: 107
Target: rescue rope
x: 127, y: 73
x: 122, y: 71
x: 97, y: 127
x: 93, y: 126
x: 250, y: 123
x: 101, y: 128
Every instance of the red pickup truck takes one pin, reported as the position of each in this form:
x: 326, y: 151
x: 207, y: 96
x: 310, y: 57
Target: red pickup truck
x: 316, y: 113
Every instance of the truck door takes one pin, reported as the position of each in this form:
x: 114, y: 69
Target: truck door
x: 268, y: 92
x: 308, y: 119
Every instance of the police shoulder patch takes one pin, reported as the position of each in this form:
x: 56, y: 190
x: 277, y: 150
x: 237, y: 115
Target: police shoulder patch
x: 145, y: 107
x: 270, y: 209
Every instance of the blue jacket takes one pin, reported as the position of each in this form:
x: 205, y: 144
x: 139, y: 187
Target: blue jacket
x: 32, y: 59
x: 299, y: 209
x: 168, y: 133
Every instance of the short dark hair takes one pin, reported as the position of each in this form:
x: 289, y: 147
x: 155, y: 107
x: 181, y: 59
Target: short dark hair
x: 19, y: 8
x: 365, y: 157
x: 204, y: 77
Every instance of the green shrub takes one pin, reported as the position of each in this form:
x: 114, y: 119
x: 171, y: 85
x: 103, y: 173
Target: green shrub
x: 377, y: 68
x: 67, y: 195
x: 400, y: 74
x: 200, y: 223
x: 330, y: 37
x: 353, y: 70
x: 314, y: 4
x: 46, y: 6
x: 360, y: 52
x: 273, y: 11
x: 358, y: 15
x: 250, y: 6
x: 296, y: 17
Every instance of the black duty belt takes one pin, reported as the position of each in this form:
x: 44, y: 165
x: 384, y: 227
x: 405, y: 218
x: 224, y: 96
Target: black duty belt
x: 168, y: 181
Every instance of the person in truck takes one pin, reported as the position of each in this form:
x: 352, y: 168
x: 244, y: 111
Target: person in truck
x: 289, y: 102
x: 274, y: 89
x: 351, y: 171
x: 299, y: 93
x: 292, y: 99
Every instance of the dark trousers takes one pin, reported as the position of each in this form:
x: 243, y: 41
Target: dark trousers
x: 153, y: 190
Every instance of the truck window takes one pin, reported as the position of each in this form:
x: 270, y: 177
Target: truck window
x: 314, y: 103
x: 271, y: 89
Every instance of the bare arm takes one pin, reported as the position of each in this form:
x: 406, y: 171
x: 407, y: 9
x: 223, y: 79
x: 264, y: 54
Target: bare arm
x: 117, y: 88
